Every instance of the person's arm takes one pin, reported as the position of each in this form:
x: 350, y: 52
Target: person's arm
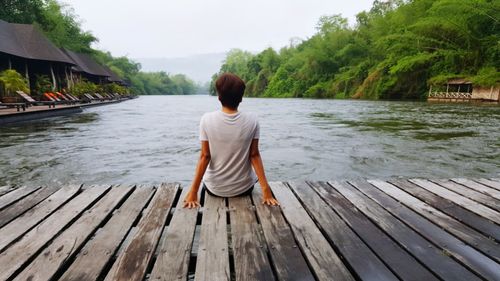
x: 191, y: 200
x: 267, y: 196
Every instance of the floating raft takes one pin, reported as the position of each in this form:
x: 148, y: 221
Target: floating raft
x: 358, y: 230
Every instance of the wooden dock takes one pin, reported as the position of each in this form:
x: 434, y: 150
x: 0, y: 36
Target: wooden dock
x: 11, y: 115
x: 413, y: 229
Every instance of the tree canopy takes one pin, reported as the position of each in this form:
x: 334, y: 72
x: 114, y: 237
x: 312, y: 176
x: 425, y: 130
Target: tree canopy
x: 61, y: 25
x: 394, y: 51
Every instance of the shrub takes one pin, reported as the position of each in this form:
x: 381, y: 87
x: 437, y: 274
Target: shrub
x: 12, y: 81
x: 84, y: 87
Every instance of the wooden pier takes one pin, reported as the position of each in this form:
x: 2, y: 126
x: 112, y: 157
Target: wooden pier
x: 413, y: 229
x: 11, y: 115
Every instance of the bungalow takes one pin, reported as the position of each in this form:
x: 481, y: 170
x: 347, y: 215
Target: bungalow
x: 462, y: 90
x: 24, y: 48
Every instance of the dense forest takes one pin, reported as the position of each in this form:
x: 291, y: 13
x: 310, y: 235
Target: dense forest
x: 396, y: 50
x: 60, y: 24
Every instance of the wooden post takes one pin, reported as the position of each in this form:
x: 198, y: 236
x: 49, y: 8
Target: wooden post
x: 430, y: 91
x: 53, y: 78
x: 10, y: 64
x: 27, y: 74
x: 68, y: 84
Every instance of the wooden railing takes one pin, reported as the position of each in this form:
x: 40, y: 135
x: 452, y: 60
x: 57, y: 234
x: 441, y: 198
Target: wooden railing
x: 450, y: 95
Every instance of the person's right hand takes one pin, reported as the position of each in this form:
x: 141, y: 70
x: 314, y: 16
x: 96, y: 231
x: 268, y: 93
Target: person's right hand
x: 191, y: 201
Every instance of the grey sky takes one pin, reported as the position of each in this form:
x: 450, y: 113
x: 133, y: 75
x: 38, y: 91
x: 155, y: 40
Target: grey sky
x: 156, y: 28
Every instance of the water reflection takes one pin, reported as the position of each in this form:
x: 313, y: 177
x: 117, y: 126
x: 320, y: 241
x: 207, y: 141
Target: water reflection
x: 154, y: 139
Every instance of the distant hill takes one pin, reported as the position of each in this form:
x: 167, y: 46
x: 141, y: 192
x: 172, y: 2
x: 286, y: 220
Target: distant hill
x: 200, y: 68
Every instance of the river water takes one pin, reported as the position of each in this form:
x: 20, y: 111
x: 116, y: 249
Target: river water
x: 155, y: 138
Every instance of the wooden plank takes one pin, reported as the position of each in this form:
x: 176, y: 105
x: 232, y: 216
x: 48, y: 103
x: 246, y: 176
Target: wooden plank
x: 361, y: 258
x: 16, y: 228
x: 97, y: 253
x: 463, y: 232
x: 463, y: 252
x: 442, y: 265
x: 460, y: 200
x: 15, y: 195
x: 69, y: 242
x: 6, y: 189
x: 450, y: 208
x: 213, y: 253
x: 172, y: 262
x: 470, y: 193
x: 401, y: 262
x: 134, y: 260
x: 250, y: 258
x: 323, y: 260
x: 32, y: 242
x: 478, y: 187
x: 490, y: 183
x: 285, y: 254
x: 21, y: 206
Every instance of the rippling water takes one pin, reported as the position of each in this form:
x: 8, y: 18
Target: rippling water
x: 154, y: 139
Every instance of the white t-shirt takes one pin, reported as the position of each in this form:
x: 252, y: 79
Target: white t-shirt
x: 229, y: 136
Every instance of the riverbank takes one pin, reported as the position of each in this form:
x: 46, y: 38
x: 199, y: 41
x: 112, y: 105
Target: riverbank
x: 11, y: 115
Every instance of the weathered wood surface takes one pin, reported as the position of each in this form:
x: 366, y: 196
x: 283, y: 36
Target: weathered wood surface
x: 463, y: 232
x: 470, y: 193
x: 321, y: 256
x: 172, y: 262
x: 6, y: 189
x: 22, y: 224
x: 361, y: 230
x: 400, y: 261
x: 452, y: 209
x: 18, y: 208
x: 53, y: 257
x: 250, y: 258
x: 430, y: 255
x: 213, y: 251
x: 490, y: 191
x: 97, y: 253
x: 15, y: 195
x: 460, y: 200
x: 361, y: 258
x: 490, y: 183
x: 464, y: 252
x: 284, y: 251
x: 32, y: 242
x: 133, y: 262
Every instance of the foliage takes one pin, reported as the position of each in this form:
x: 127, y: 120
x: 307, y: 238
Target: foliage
x: 12, y: 81
x: 395, y: 50
x: 60, y: 24
x: 115, y: 89
x: 42, y: 84
x: 84, y: 87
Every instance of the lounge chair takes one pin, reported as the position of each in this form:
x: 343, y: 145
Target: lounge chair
x: 99, y: 97
x: 30, y: 101
x: 17, y: 105
x: 65, y: 98
x: 59, y: 100
x: 71, y: 97
x: 89, y: 97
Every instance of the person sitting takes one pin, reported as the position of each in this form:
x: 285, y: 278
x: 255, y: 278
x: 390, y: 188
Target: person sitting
x: 229, y: 148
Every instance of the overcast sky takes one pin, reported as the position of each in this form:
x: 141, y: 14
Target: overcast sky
x: 167, y: 28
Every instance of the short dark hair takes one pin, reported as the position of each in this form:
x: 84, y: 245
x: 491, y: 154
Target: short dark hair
x: 230, y: 89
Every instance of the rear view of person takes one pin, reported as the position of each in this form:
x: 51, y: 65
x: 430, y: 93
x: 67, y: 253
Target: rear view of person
x: 229, y: 148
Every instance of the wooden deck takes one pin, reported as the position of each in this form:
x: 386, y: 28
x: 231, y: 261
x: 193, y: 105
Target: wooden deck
x: 362, y: 230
